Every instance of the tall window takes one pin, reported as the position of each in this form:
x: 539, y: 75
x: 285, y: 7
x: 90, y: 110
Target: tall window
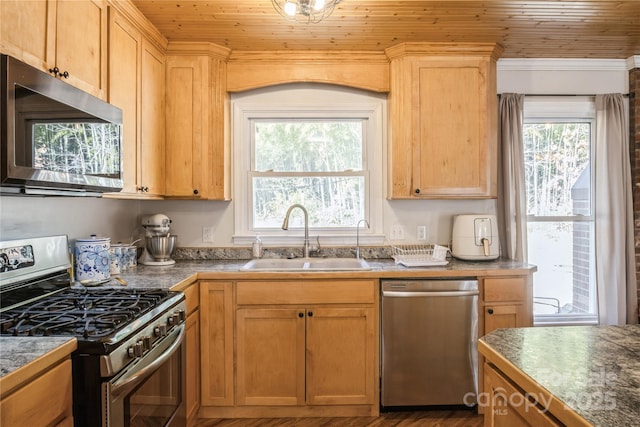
x: 319, y: 146
x: 558, y: 175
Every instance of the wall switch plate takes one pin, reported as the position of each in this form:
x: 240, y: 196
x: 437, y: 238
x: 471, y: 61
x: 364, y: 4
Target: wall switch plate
x: 397, y: 232
x: 207, y: 234
x: 421, y: 232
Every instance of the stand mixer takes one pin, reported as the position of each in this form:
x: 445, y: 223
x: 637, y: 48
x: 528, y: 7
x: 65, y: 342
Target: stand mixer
x: 158, y: 242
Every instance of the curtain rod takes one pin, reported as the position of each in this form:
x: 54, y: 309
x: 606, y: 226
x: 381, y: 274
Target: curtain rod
x: 626, y: 95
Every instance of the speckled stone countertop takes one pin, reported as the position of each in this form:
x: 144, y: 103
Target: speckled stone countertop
x: 25, y: 358
x: 185, y: 271
x: 593, y: 370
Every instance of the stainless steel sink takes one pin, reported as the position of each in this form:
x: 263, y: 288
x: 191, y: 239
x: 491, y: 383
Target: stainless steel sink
x: 306, y: 264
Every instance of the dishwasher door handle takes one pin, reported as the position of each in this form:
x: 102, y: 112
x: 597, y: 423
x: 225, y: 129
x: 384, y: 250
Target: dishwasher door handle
x: 413, y: 294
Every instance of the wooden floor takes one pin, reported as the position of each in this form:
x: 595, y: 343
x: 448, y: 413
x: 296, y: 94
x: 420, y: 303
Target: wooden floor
x: 435, y: 418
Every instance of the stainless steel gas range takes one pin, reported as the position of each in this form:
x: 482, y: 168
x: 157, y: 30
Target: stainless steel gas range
x: 128, y: 369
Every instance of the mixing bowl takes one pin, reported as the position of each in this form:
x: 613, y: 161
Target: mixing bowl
x: 160, y: 247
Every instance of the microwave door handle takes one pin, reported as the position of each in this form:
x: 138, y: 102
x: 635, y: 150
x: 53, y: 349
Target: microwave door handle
x: 124, y: 383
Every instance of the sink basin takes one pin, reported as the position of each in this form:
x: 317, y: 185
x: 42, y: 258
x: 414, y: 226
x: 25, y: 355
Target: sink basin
x: 337, y: 264
x: 306, y: 264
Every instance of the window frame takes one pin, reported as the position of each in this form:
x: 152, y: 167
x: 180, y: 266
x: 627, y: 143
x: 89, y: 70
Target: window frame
x: 578, y: 109
x: 308, y: 101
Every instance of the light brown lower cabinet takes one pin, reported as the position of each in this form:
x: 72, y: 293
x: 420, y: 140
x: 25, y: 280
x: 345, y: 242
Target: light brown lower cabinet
x: 289, y: 348
x: 509, y: 406
x: 45, y: 401
x: 310, y: 355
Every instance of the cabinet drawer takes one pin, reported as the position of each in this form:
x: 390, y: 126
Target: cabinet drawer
x: 192, y: 297
x: 504, y: 289
x: 42, y: 402
x: 310, y: 292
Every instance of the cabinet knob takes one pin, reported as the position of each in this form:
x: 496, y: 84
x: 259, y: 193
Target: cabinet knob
x: 195, y: 191
x: 56, y: 72
x: 490, y: 311
x: 417, y: 191
x: 300, y: 314
x: 310, y: 314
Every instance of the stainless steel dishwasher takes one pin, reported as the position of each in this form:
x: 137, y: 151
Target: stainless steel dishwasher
x: 429, y: 342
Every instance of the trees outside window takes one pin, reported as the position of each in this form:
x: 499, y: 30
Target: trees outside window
x: 558, y: 163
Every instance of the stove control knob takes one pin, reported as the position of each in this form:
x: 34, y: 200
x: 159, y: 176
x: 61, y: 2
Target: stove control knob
x: 136, y: 350
x: 176, y: 318
x: 182, y: 315
x: 146, y: 342
x: 160, y: 330
x: 171, y: 320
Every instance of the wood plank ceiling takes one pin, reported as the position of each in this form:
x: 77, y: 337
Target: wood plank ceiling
x: 526, y: 29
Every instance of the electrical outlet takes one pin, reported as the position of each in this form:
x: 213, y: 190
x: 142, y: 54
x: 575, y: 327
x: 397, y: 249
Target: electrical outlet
x: 397, y: 232
x: 421, y: 232
x: 207, y: 234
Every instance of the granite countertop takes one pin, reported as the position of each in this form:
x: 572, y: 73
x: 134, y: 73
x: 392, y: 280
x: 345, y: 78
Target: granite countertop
x: 187, y: 271
x: 593, y: 370
x: 23, y: 358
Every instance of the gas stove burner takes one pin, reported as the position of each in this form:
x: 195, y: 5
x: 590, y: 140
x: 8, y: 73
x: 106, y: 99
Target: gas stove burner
x: 88, y: 314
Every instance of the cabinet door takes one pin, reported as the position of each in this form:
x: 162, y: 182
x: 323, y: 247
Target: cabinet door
x: 152, y: 118
x: 503, y: 316
x: 340, y: 356
x: 125, y: 44
x: 28, y: 31
x: 270, y: 356
x: 81, y: 44
x: 451, y: 147
x: 216, y: 341
x: 508, y: 405
x: 192, y: 398
x: 186, y: 123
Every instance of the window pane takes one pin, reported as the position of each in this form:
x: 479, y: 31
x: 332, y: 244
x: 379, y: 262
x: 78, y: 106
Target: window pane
x: 331, y: 201
x: 563, y: 252
x: 308, y: 146
x: 557, y: 168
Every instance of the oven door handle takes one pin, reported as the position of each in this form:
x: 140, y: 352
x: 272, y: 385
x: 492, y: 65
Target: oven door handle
x: 133, y: 378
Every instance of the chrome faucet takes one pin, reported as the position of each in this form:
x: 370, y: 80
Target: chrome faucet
x: 358, y: 237
x: 285, y: 226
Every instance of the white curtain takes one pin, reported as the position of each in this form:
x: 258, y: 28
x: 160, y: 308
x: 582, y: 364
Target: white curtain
x: 614, y: 235
x: 512, y: 209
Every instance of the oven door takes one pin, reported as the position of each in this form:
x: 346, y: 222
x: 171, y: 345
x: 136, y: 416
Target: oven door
x: 151, y: 393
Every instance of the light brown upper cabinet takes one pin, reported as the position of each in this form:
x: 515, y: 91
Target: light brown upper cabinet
x: 197, y: 152
x: 442, y: 121
x: 136, y: 85
x: 64, y: 35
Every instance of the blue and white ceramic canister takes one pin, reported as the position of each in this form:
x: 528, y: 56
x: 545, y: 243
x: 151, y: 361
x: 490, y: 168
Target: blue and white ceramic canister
x: 115, y: 251
x: 93, y: 259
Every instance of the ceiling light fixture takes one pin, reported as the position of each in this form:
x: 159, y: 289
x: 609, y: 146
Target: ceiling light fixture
x: 305, y: 11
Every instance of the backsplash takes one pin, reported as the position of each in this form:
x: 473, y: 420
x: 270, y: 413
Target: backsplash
x: 367, y: 252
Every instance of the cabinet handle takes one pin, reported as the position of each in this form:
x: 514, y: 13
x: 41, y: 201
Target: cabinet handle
x: 195, y: 191
x: 56, y: 72
x: 310, y: 314
x: 417, y: 191
x: 490, y: 311
x: 300, y: 315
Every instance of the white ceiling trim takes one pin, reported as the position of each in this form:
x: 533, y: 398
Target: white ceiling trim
x: 633, y: 62
x: 564, y: 64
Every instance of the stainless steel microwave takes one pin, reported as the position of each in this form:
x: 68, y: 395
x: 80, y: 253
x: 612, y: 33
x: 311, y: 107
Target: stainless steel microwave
x: 55, y: 138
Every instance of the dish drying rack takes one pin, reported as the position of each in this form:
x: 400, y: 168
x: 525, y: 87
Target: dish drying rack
x: 427, y: 255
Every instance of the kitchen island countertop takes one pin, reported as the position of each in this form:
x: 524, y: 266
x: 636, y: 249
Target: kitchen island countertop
x: 589, y: 374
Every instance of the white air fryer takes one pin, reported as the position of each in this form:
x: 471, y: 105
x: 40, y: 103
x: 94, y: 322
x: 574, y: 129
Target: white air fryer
x: 475, y: 237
